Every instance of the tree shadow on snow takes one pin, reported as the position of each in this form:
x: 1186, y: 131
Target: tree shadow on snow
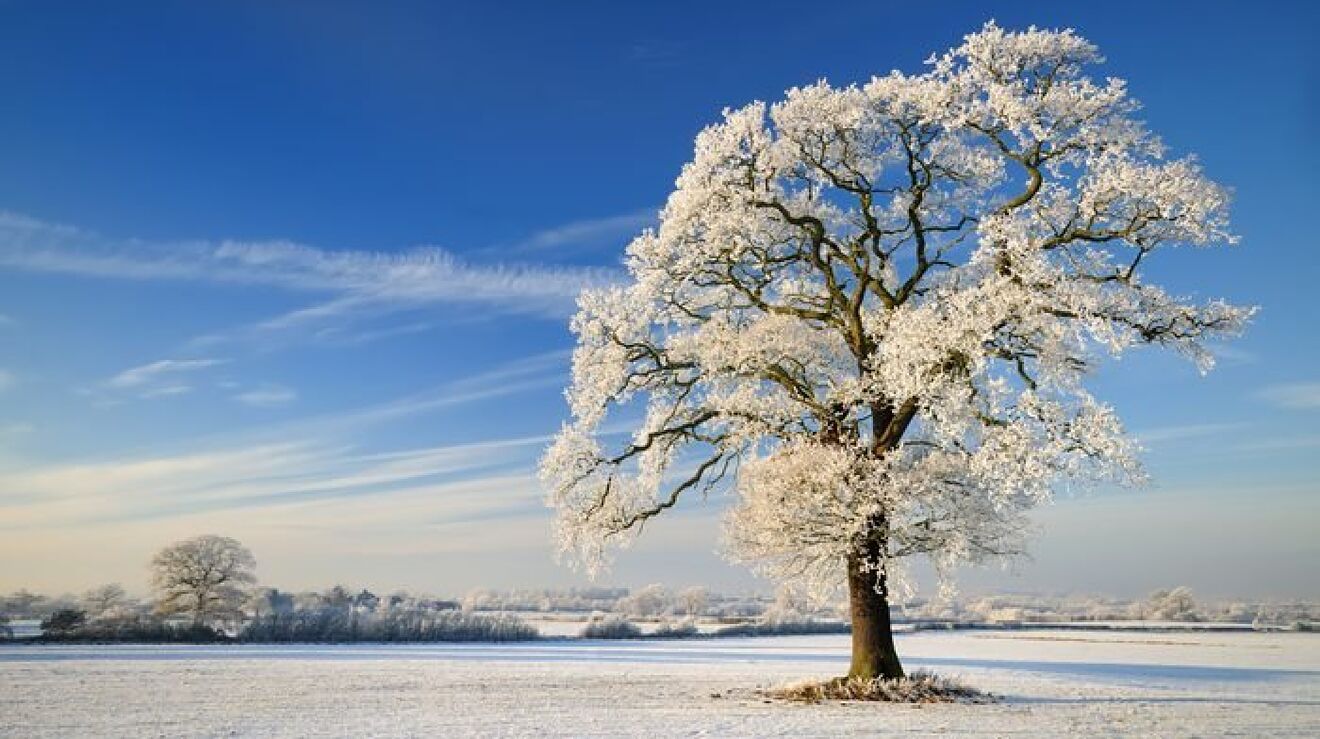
x: 1125, y: 671
x: 1149, y: 699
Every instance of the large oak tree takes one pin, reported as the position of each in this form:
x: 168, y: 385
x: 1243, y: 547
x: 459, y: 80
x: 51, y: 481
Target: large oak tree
x: 870, y: 310
x: 205, y: 577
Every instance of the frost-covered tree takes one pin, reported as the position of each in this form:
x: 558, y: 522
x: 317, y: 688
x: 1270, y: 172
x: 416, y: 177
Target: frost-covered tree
x: 872, y: 309
x: 103, y: 600
x: 652, y: 600
x: 1171, y: 605
x: 205, y: 577
x: 693, y: 600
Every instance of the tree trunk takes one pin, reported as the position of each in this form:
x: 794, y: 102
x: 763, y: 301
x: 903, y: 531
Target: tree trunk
x: 199, y: 610
x: 873, y: 653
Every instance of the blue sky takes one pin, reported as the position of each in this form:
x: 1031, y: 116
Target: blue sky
x: 300, y: 273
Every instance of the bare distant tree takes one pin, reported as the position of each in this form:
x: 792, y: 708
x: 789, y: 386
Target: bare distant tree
x: 101, y: 600
x: 22, y: 603
x: 1171, y: 605
x: 652, y: 600
x: 694, y: 600
x: 266, y: 601
x: 205, y: 577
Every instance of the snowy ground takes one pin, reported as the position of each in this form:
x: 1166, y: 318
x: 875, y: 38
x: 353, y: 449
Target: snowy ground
x: 1054, y: 683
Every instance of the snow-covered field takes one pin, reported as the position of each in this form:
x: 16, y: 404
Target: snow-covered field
x: 1053, y: 683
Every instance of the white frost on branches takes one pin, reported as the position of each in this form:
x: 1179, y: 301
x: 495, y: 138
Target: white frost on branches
x: 872, y: 309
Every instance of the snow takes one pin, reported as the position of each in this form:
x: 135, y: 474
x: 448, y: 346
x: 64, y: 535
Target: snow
x: 1053, y: 683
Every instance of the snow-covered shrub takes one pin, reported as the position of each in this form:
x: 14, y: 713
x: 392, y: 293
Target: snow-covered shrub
x: 610, y: 627
x: 1171, y: 605
x: 63, y: 621
x: 685, y: 629
x: 652, y: 600
x: 1293, y: 616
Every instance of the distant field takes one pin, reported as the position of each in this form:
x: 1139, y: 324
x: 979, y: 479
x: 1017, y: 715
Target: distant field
x: 25, y: 627
x: 1053, y: 683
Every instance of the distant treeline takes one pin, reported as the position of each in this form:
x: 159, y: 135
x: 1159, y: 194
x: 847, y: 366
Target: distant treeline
x: 400, y: 623
x: 269, y: 615
x: 273, y: 617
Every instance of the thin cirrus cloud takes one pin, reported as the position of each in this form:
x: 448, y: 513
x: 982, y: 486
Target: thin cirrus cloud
x: 1302, y: 396
x: 312, y: 462
x: 163, y: 378
x: 578, y: 236
x: 259, y: 476
x: 355, y: 280
x: 17, y: 428
x: 351, y: 291
x: 1166, y: 434
x: 154, y: 372
x: 267, y: 396
x: 295, y: 486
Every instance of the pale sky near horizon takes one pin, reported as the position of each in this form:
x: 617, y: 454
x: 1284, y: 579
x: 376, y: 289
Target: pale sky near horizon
x: 300, y: 274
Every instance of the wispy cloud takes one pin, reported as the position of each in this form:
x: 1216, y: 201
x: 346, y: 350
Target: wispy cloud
x: 166, y: 391
x: 154, y: 372
x: 267, y: 396
x: 355, y: 279
x: 297, y: 461
x: 164, y: 378
x: 1163, y: 434
x: 1232, y: 354
x: 7, y: 320
x: 549, y: 369
x: 249, y: 477
x: 338, y: 336
x: 587, y: 234
x: 7, y: 380
x: 1280, y: 443
x: 1294, y: 396
x: 350, y: 289
x: 17, y: 428
x: 532, y: 372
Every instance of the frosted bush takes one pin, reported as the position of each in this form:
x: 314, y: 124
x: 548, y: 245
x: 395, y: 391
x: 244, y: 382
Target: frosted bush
x: 610, y: 627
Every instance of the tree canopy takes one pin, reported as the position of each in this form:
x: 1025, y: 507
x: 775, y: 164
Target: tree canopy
x: 206, y: 577
x: 871, y: 310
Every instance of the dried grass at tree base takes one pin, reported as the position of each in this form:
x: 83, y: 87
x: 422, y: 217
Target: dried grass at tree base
x: 919, y: 687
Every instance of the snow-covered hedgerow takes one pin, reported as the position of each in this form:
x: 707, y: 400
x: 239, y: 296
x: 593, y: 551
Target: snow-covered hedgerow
x: 125, y: 627
x: 786, y: 618
x: 393, y: 625
x: 684, y: 629
x: 610, y: 627
x: 784, y: 628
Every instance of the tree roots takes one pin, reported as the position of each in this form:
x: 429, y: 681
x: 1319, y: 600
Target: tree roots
x: 919, y: 687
